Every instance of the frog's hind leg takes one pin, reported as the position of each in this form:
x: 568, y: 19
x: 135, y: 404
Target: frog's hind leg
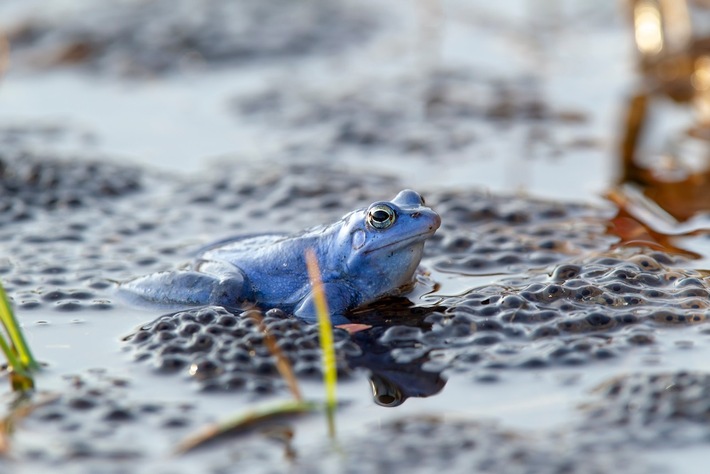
x: 228, y: 288
x: 189, y: 288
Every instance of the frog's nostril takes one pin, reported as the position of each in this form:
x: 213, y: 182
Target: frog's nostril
x: 416, y: 214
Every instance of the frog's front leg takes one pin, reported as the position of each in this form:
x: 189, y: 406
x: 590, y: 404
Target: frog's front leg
x: 188, y: 287
x: 340, y: 298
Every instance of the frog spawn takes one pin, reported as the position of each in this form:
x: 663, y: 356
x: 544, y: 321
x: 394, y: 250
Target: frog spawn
x: 652, y: 409
x: 430, y: 444
x: 490, y: 235
x: 93, y: 412
x: 626, y: 419
x: 456, y: 110
x: 594, y: 310
x: 166, y: 36
x: 577, y: 315
x: 90, y: 416
x: 221, y: 350
x: 30, y: 181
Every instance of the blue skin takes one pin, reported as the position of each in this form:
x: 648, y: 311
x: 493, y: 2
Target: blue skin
x: 368, y: 254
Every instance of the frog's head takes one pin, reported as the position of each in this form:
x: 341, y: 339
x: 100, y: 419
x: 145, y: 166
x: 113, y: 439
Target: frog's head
x: 385, y: 242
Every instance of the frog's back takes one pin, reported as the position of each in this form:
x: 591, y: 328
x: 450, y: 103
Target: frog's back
x: 272, y: 251
x: 238, y: 245
x: 273, y: 265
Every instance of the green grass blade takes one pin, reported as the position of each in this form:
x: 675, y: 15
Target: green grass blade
x: 17, y: 339
x: 330, y: 370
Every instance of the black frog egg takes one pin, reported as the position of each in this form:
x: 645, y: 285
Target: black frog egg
x: 260, y: 385
x: 646, y: 263
x: 201, y: 342
x: 565, y: 272
x: 171, y: 362
x: 68, y: 305
x: 189, y: 328
x: 204, y: 368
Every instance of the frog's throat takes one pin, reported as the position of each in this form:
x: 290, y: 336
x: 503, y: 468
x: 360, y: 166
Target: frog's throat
x: 414, y: 238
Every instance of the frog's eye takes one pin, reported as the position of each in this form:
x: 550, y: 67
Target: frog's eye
x: 381, y: 216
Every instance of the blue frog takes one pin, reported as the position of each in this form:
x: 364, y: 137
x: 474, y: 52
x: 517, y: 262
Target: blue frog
x: 368, y: 254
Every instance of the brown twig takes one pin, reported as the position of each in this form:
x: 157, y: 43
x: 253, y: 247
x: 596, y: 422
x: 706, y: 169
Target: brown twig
x: 283, y: 365
x: 4, y: 55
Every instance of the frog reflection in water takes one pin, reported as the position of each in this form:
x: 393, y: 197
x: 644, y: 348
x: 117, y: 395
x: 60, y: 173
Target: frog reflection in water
x: 368, y: 254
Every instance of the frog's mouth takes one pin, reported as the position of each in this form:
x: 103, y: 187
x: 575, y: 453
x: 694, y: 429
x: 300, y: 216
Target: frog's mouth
x: 408, y: 240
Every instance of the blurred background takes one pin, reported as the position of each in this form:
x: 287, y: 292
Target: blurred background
x: 517, y: 96
x: 552, y: 98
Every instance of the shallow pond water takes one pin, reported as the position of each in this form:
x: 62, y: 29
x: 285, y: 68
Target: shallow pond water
x: 118, y: 161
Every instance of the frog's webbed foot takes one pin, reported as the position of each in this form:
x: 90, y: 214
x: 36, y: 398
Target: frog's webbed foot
x: 339, y: 297
x: 185, y: 288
